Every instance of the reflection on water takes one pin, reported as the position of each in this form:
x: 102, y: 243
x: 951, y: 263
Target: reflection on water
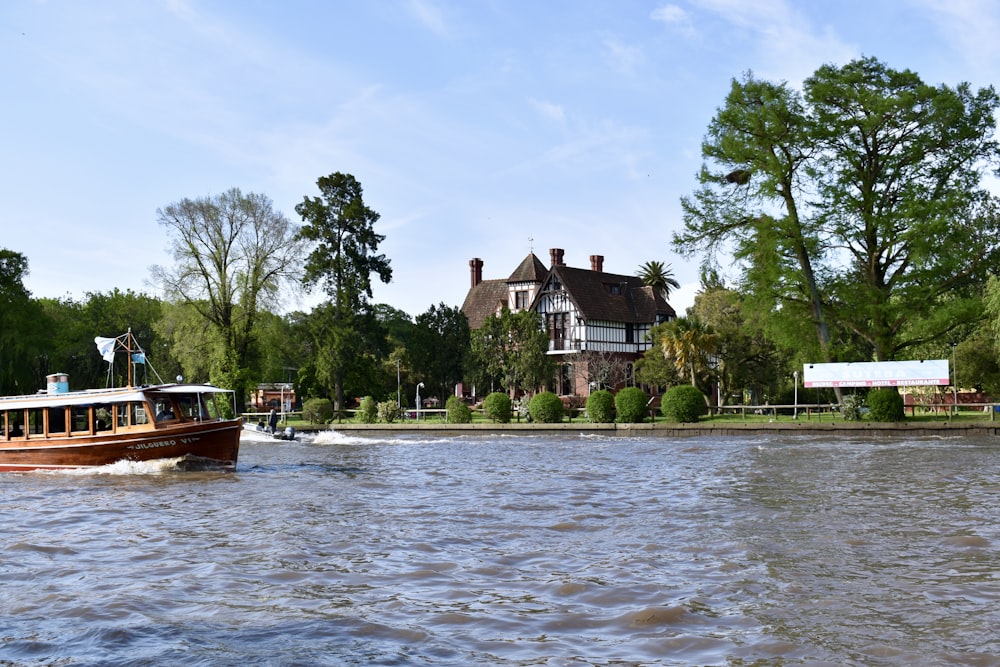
x: 513, y: 551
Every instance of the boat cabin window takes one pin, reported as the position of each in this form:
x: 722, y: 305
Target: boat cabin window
x: 132, y: 414
x: 13, y: 421
x: 79, y: 417
x: 163, y: 409
x: 188, y: 407
x: 57, y: 421
x: 103, y: 417
x: 137, y: 413
x: 192, y: 406
x: 36, y: 421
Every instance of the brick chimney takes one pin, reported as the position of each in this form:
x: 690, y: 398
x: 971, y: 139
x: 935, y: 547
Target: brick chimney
x: 476, y: 269
x: 556, y: 256
x: 597, y: 262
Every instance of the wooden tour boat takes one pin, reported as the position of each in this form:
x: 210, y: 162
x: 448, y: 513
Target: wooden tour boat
x: 57, y: 428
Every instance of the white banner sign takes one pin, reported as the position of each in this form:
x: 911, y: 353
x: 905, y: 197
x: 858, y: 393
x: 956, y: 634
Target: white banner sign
x: 877, y: 374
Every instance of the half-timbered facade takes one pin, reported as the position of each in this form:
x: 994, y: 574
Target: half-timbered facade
x: 583, y: 311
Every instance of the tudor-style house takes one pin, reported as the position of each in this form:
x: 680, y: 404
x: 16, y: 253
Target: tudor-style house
x: 583, y: 310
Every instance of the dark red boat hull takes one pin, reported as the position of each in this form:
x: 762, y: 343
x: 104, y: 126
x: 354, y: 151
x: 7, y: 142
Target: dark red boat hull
x: 215, y: 442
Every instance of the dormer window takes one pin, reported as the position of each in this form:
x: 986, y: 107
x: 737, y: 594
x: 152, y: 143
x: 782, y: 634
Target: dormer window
x: 614, y: 289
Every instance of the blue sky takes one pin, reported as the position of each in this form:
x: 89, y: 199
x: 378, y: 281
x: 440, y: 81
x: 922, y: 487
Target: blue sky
x: 478, y: 128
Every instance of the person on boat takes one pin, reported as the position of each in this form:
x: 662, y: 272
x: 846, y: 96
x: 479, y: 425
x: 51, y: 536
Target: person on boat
x: 272, y: 421
x: 164, y: 412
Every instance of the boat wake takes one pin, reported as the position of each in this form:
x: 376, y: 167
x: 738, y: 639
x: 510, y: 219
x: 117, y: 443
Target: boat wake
x: 154, y: 467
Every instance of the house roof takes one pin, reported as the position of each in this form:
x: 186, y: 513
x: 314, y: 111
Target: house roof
x: 592, y: 292
x: 530, y: 270
x: 484, y: 300
x: 489, y: 296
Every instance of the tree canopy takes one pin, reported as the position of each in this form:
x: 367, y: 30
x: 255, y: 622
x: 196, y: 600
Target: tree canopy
x: 233, y: 253
x: 440, y: 347
x: 344, y: 257
x: 21, y: 328
x: 510, y: 350
x: 858, y: 203
x: 659, y: 276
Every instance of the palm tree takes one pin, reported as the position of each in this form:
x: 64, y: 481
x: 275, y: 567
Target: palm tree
x: 659, y: 276
x: 690, y: 344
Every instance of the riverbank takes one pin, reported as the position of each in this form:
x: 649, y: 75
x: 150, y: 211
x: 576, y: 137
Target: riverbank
x: 866, y: 429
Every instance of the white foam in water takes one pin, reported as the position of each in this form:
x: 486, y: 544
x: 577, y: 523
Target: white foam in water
x: 248, y: 435
x: 125, y: 467
x: 338, y: 438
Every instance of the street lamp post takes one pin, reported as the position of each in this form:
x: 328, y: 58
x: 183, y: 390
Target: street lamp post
x: 795, y: 410
x: 954, y: 379
x: 420, y: 386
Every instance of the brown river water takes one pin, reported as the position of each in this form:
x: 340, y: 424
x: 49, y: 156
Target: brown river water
x: 494, y: 550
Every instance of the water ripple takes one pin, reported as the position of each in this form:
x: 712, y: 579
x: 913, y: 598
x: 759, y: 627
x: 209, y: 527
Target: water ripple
x: 513, y: 551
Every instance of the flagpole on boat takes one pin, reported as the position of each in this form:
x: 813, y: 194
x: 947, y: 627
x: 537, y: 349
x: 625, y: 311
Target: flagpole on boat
x: 128, y: 356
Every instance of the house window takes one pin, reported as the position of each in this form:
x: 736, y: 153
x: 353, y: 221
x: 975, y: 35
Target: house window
x: 557, y: 330
x: 614, y: 289
x: 565, y: 379
x: 520, y: 299
x: 629, y: 332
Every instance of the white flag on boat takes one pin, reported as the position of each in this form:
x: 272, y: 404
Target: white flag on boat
x: 106, y: 346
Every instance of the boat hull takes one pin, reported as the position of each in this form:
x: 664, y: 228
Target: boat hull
x: 217, y: 442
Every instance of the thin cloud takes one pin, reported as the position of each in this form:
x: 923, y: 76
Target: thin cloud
x: 970, y: 27
x: 784, y: 43
x: 549, y: 110
x: 429, y: 15
x: 673, y: 16
x: 625, y: 57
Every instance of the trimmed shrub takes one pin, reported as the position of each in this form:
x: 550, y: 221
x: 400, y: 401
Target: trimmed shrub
x: 497, y: 407
x: 546, y: 408
x: 457, y: 411
x: 885, y: 405
x: 601, y: 407
x: 317, y: 410
x: 367, y: 411
x: 850, y: 407
x: 630, y: 404
x: 387, y: 411
x: 684, y: 404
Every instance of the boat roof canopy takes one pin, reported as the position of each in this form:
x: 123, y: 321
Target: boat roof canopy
x: 101, y: 396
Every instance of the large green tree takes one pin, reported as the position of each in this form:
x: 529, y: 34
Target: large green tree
x: 510, y: 349
x: 22, y: 328
x: 439, y: 348
x: 110, y: 314
x: 343, y: 259
x: 193, y: 345
x: 396, y: 372
x: 744, y: 356
x: 358, y: 375
x: 858, y: 202
x: 653, y: 368
x: 691, y: 345
x: 233, y: 254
